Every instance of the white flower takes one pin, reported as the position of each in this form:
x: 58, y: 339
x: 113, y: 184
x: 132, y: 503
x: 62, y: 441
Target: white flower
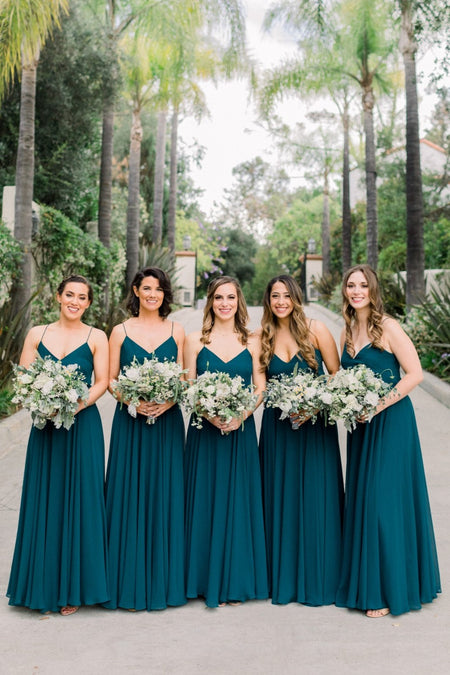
x: 72, y: 395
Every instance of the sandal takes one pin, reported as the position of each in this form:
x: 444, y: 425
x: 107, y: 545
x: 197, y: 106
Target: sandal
x: 68, y: 610
x: 377, y: 613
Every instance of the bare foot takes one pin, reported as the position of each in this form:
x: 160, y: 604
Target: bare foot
x: 235, y: 603
x: 68, y: 610
x: 377, y: 613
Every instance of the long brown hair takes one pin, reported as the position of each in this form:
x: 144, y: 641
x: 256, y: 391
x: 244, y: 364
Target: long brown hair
x: 297, y: 324
x: 376, y: 311
x: 241, y: 317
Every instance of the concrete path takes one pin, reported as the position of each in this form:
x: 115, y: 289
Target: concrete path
x: 255, y: 638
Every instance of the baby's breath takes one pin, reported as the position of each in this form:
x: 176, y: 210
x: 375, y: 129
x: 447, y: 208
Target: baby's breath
x: 151, y: 380
x: 50, y: 390
x: 355, y: 392
x: 218, y: 395
x: 302, y: 394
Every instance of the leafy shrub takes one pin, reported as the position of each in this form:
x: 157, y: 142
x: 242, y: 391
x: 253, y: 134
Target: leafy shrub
x: 428, y: 326
x: 60, y: 249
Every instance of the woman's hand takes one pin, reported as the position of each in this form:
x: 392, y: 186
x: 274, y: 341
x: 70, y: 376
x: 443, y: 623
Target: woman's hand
x: 152, y: 409
x: 225, y: 426
x: 299, y: 418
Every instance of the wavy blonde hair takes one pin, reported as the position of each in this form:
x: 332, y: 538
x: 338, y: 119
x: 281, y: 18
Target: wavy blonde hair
x: 241, y: 317
x: 376, y: 311
x: 297, y: 324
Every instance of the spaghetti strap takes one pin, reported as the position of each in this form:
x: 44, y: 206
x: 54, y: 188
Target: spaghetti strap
x: 42, y: 336
x: 172, y: 330
x: 89, y: 335
x: 125, y: 330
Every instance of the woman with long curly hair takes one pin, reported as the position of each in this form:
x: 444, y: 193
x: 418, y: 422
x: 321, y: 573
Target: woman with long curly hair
x: 225, y: 549
x: 144, y: 481
x: 389, y: 553
x: 301, y: 466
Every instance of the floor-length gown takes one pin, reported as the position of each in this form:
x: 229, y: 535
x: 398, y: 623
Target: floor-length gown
x: 389, y: 551
x: 225, y: 548
x: 60, y: 556
x: 303, y: 501
x: 145, y: 501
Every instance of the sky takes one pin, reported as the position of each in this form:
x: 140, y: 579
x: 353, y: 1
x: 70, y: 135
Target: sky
x: 231, y: 134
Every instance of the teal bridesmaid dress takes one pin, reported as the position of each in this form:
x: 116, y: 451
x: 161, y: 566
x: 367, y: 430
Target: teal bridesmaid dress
x: 225, y: 548
x: 60, y: 556
x: 145, y: 501
x: 303, y: 501
x: 389, y: 551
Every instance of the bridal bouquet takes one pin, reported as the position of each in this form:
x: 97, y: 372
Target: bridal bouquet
x: 301, y: 393
x: 50, y: 390
x: 151, y: 380
x: 355, y: 391
x: 218, y: 395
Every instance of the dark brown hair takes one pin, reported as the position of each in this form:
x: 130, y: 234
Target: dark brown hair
x: 76, y: 279
x: 133, y: 304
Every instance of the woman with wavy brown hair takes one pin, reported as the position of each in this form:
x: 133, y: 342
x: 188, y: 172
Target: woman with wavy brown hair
x: 225, y: 549
x: 145, y: 480
x: 301, y: 466
x: 389, y: 553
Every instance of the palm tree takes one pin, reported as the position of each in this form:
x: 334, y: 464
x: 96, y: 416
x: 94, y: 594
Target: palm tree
x: 24, y: 28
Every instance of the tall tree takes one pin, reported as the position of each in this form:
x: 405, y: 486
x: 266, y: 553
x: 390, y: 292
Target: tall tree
x: 356, y: 47
x: 24, y: 27
x: 413, y: 17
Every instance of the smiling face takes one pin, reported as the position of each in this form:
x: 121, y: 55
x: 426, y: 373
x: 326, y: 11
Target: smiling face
x: 280, y: 300
x: 357, y: 290
x: 225, y: 301
x: 74, y: 300
x: 150, y: 294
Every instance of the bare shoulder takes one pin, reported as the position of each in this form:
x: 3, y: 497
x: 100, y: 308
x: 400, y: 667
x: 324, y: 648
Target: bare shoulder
x: 254, y: 342
x: 178, y: 331
x: 118, y: 333
x: 98, y: 336
x: 391, y: 327
x: 193, y: 338
x: 394, y: 337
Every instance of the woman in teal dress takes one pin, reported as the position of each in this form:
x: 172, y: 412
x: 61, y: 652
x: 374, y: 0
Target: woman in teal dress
x: 301, y: 466
x: 60, y: 557
x: 389, y: 553
x: 225, y: 549
x: 144, y: 481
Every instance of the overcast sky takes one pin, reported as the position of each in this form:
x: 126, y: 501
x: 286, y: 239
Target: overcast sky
x: 231, y: 135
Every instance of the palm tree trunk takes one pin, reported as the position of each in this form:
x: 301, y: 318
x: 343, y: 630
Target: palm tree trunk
x: 415, y: 256
x: 368, y: 101
x: 105, y: 190
x: 346, y: 212
x: 24, y: 184
x: 326, y: 225
x: 158, y: 198
x: 133, y: 197
x: 173, y: 182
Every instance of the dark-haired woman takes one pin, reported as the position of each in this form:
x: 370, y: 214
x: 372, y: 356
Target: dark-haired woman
x: 389, y: 553
x: 225, y: 549
x: 60, y: 558
x: 144, y: 482
x: 301, y: 468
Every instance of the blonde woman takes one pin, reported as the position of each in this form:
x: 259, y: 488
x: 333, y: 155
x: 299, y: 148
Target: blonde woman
x: 301, y: 468
x: 225, y: 549
x: 389, y: 559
